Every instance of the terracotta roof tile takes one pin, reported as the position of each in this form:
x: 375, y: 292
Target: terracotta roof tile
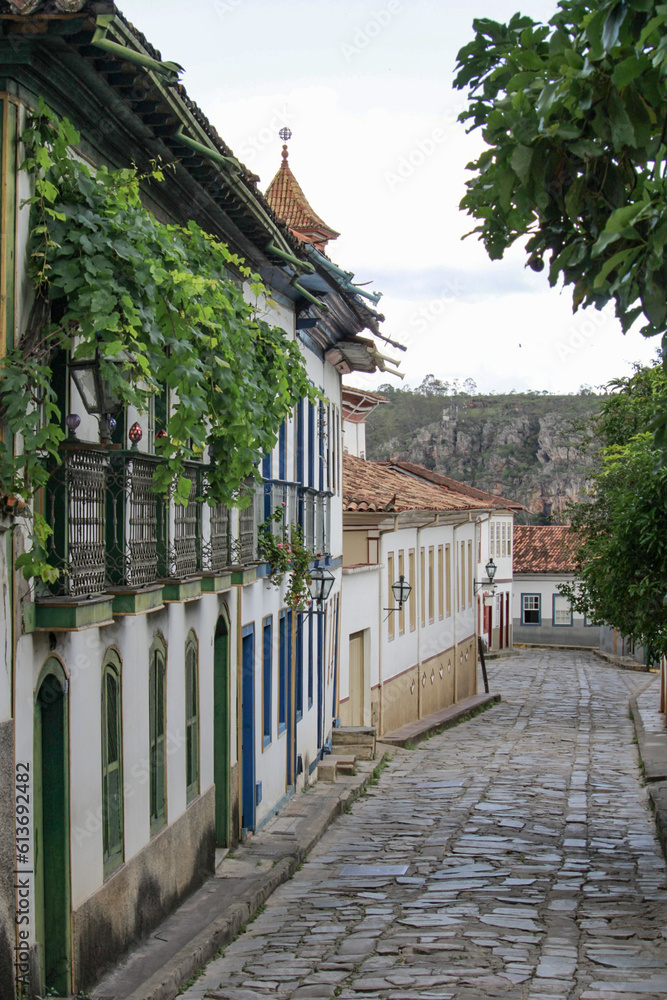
x: 290, y: 204
x: 370, y: 487
x: 490, y: 499
x: 543, y: 548
x: 47, y: 6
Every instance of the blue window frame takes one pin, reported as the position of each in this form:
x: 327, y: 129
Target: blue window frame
x: 300, y: 434
x: 266, y: 466
x: 321, y: 446
x: 589, y: 624
x: 531, y: 609
x: 310, y: 661
x: 561, y: 611
x: 299, y: 668
x: 311, y: 444
x: 282, y: 451
x: 284, y: 655
x: 267, y: 678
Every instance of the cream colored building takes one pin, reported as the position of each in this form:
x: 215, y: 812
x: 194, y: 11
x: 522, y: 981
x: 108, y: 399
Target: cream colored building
x: 400, y: 664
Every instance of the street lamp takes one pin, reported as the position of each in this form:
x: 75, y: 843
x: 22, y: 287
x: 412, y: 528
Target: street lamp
x: 98, y: 398
x: 490, y: 572
x: 321, y: 582
x: 401, y: 591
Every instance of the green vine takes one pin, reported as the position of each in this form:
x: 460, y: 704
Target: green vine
x: 166, y: 301
x: 287, y: 553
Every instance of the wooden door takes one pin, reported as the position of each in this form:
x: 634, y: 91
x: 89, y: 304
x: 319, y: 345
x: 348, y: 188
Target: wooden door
x: 356, y: 661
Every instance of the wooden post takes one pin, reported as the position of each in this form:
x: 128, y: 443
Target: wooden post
x: 291, y: 777
x: 480, y: 646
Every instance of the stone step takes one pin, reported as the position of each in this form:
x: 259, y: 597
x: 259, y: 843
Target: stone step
x: 359, y: 740
x: 362, y: 751
x: 347, y: 762
x: 327, y: 768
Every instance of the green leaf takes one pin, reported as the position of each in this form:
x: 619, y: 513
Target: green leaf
x: 612, y: 263
x: 521, y: 160
x: 621, y: 218
x: 529, y: 59
x: 628, y: 70
x: 612, y: 26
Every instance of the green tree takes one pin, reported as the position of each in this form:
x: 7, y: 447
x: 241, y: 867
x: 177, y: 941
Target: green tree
x: 574, y: 114
x: 621, y: 528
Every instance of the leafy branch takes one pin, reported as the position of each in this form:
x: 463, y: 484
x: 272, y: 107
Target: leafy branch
x: 286, y: 553
x: 166, y: 301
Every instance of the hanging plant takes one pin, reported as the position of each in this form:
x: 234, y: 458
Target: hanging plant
x: 167, y: 300
x: 286, y: 553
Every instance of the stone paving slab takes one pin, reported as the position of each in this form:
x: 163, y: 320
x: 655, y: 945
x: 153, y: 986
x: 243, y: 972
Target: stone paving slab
x: 532, y: 869
x: 569, y: 902
x: 217, y: 912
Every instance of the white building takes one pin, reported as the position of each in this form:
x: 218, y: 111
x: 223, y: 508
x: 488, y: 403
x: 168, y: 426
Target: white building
x: 543, y: 559
x: 493, y: 543
x: 160, y: 701
x: 400, y: 664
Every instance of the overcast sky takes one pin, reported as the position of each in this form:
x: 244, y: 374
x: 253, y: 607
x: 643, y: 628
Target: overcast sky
x: 366, y: 88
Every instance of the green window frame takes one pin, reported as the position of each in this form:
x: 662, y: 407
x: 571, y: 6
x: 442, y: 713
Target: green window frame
x: 192, y: 717
x: 112, y: 763
x: 157, y: 734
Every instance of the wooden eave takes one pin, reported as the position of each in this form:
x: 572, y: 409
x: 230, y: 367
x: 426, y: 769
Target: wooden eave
x: 50, y: 53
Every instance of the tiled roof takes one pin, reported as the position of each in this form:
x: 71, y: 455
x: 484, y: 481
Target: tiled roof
x: 543, y: 548
x: 254, y: 226
x: 49, y: 6
x: 356, y: 404
x: 366, y: 393
x: 369, y: 487
x: 290, y: 204
x: 490, y: 499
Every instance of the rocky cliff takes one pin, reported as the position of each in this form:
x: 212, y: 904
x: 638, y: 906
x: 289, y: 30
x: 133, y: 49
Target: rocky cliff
x: 532, y: 448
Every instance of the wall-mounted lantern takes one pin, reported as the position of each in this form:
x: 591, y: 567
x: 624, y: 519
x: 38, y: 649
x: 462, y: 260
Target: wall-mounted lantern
x: 97, y: 397
x: 490, y: 569
x: 401, y: 591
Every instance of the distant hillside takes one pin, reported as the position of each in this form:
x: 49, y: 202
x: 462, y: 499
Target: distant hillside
x: 530, y: 447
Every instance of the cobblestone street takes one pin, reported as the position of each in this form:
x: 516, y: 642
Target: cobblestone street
x: 513, y: 856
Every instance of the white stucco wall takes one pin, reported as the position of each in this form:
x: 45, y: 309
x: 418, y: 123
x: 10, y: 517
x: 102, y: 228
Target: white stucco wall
x: 367, y: 594
x: 354, y: 438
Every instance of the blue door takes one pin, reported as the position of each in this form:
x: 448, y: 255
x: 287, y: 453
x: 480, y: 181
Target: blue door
x: 290, y: 701
x: 248, y: 730
x: 320, y: 680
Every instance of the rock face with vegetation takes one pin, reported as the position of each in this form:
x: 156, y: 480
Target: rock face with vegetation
x: 530, y: 447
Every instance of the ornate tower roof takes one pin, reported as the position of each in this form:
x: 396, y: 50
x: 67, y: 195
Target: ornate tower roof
x: 290, y: 204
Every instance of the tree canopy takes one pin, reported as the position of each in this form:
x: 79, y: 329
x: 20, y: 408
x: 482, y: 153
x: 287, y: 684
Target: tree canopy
x: 574, y: 114
x: 621, y: 527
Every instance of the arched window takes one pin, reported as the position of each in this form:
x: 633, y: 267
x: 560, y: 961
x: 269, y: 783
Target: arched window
x: 157, y: 733
x: 192, y: 716
x: 112, y: 763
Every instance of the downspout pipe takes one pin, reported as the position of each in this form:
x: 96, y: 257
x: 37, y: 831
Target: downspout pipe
x: 479, y: 520
x: 386, y: 531
x: 429, y: 524
x: 170, y: 70
x: 207, y: 151
x: 301, y: 265
x: 456, y: 602
x: 344, y: 277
